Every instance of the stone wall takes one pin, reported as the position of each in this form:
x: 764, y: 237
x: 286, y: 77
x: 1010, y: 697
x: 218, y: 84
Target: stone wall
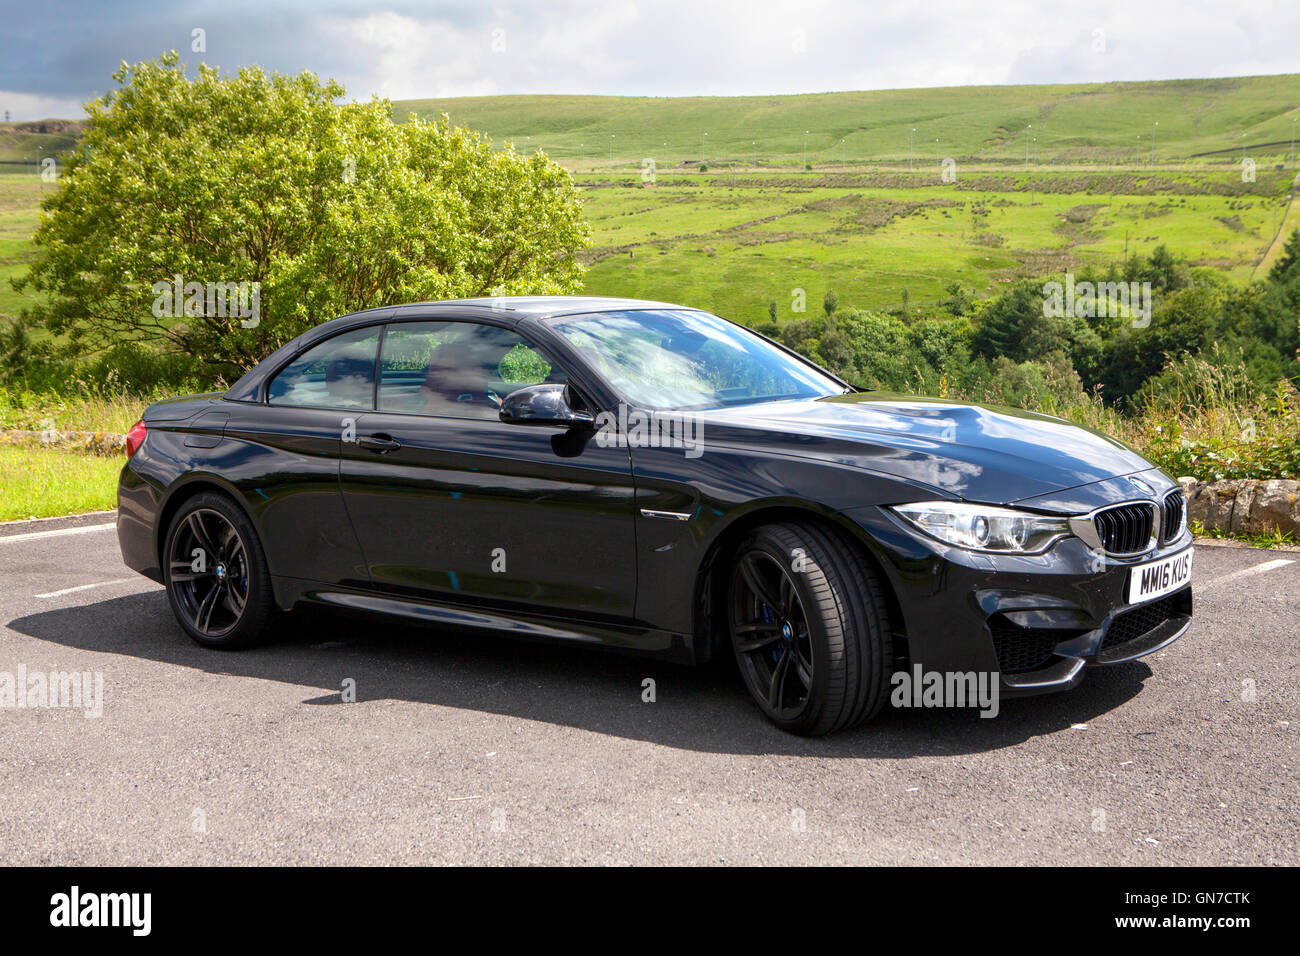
x: 103, y: 443
x: 1244, y: 504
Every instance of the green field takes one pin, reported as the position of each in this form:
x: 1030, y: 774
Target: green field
x: 870, y: 221
x: 19, y: 207
x: 735, y: 245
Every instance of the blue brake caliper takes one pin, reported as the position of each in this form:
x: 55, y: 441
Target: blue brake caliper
x: 777, y: 647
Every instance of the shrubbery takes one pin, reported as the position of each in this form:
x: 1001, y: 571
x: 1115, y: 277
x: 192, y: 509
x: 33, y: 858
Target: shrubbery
x: 1009, y: 342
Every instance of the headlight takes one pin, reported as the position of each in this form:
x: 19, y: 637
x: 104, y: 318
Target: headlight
x: 984, y: 527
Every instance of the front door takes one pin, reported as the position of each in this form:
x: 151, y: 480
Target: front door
x: 453, y: 506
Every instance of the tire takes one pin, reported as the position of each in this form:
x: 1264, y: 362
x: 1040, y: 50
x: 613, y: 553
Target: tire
x: 218, y: 584
x: 827, y: 628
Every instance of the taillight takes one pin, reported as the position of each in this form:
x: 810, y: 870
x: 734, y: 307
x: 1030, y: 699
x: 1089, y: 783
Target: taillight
x: 135, y: 437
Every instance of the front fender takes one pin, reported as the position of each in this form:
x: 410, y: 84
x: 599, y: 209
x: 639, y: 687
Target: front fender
x: 691, y: 510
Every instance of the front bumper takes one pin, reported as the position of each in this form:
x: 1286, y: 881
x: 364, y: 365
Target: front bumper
x: 1038, y: 621
x: 1037, y: 660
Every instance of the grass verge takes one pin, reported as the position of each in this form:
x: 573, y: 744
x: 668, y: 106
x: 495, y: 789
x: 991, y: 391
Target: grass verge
x: 1272, y: 539
x: 36, y: 411
x: 48, y: 482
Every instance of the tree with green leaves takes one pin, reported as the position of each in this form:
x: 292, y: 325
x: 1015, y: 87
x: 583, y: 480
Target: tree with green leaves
x: 270, y: 183
x: 1005, y: 321
x: 959, y: 301
x: 1287, y: 265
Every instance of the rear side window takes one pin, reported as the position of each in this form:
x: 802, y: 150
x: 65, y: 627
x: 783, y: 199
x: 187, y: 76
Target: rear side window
x: 338, y: 373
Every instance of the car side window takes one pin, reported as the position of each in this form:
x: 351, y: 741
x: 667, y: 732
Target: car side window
x: 456, y: 369
x: 338, y: 373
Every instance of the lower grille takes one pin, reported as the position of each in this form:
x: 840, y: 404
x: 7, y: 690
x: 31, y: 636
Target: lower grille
x: 1021, y: 649
x: 1125, y: 529
x: 1144, y: 618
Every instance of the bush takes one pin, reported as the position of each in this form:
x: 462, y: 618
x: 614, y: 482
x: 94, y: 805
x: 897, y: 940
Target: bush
x: 184, y: 190
x: 1211, y: 422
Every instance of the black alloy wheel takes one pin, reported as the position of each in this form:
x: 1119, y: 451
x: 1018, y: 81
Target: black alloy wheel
x: 217, y: 581
x: 809, y: 624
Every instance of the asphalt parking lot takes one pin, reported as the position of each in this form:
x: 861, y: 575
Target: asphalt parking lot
x: 468, y: 749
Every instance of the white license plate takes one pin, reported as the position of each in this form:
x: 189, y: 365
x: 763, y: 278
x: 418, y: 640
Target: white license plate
x: 1147, y: 581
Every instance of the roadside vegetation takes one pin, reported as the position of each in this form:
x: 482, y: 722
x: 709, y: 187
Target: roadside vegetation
x: 46, y: 482
x: 1274, y: 539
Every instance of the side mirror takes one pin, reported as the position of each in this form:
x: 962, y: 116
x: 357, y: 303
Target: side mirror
x: 546, y: 404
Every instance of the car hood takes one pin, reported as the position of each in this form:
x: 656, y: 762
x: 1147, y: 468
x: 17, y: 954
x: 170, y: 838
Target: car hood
x: 972, y: 452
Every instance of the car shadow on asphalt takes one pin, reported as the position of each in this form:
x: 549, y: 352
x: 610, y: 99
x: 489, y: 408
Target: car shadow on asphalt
x: 695, y: 708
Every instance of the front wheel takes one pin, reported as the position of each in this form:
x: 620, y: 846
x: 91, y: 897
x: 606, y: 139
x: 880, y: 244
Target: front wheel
x: 810, y: 628
x: 217, y: 580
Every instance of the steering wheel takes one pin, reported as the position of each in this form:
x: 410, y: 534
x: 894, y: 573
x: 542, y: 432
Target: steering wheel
x: 488, y: 397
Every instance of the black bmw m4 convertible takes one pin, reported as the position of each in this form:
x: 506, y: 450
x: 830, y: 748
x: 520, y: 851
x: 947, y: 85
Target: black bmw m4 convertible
x: 652, y: 478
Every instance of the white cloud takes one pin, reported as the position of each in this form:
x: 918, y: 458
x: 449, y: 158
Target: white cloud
x: 34, y: 106
x: 402, y: 57
x: 767, y: 46
x: 405, y: 49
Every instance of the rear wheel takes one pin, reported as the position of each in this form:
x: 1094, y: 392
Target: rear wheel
x: 810, y: 628
x: 217, y: 581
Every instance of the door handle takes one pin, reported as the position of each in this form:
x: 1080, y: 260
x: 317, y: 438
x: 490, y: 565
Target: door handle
x: 379, y: 443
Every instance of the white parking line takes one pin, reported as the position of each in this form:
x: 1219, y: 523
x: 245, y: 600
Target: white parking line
x: 85, y: 587
x: 1257, y: 569
x: 27, y: 536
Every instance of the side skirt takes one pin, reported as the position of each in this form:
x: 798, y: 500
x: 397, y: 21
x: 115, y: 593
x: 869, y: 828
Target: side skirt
x: 648, y: 642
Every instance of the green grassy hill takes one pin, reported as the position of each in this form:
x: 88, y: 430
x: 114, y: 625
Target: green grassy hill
x: 22, y: 144
x: 1084, y: 123
x: 1090, y: 123
x: 20, y: 197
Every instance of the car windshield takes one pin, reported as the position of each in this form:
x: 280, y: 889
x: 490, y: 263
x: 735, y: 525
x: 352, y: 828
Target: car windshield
x: 680, y: 358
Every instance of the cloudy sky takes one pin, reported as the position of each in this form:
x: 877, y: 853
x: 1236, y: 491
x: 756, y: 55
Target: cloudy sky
x: 56, y: 53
